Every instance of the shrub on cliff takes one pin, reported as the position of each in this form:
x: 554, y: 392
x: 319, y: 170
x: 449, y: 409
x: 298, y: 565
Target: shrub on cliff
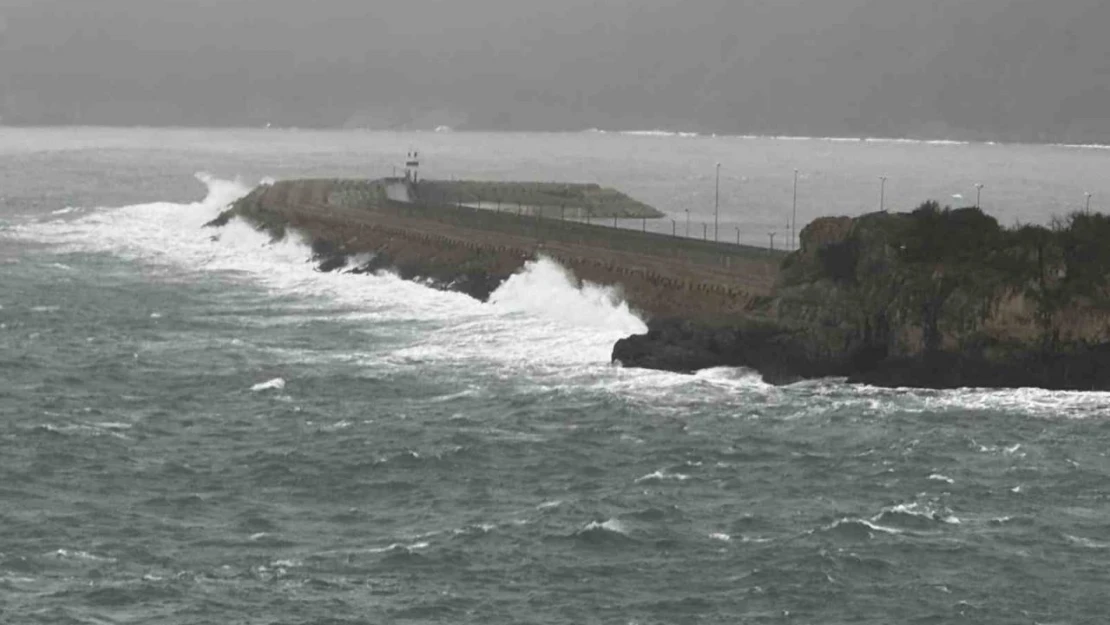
x: 945, y: 235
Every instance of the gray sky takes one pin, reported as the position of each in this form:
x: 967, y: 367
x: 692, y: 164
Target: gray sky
x: 1008, y: 69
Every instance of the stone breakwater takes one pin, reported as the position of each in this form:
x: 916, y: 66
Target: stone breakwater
x: 935, y: 298
x: 474, y: 250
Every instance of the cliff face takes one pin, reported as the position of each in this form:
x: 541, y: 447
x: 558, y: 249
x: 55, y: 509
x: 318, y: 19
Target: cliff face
x: 935, y: 298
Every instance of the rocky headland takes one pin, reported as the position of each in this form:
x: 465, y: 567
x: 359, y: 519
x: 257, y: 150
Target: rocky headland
x: 936, y: 298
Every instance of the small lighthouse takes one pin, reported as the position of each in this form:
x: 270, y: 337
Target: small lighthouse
x: 412, y: 167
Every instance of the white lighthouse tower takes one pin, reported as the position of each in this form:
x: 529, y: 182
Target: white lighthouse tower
x: 412, y: 167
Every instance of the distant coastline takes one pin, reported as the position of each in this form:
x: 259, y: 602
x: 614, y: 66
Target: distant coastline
x: 956, y: 140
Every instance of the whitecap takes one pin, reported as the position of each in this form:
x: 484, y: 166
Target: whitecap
x: 661, y: 476
x: 114, y: 425
x: 658, y: 133
x: 937, y: 477
x: 1087, y: 543
x: 338, y: 426
x: 721, y: 536
x: 66, y: 554
x: 847, y: 522
x: 394, y: 547
x: 274, y: 384
x: 609, y: 525
x: 919, y: 511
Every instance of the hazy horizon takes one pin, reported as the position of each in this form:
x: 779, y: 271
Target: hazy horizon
x: 1003, y: 70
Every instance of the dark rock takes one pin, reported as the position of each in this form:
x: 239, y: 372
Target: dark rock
x: 328, y: 256
x: 685, y: 346
x: 222, y: 219
x: 783, y: 357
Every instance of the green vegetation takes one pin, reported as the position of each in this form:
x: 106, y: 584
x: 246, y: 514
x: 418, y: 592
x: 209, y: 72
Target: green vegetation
x: 959, y: 278
x: 550, y: 199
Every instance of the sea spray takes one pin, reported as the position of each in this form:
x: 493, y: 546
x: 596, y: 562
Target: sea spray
x: 545, y: 288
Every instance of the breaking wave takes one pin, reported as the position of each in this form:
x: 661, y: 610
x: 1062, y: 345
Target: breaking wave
x: 540, y: 316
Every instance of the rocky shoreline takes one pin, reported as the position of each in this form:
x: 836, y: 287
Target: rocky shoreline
x: 936, y: 298
x: 781, y: 357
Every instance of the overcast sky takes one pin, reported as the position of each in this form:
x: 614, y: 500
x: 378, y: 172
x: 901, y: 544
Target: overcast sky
x: 1029, y: 69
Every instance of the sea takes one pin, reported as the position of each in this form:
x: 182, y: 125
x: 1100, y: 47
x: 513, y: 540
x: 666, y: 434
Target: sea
x: 197, y: 427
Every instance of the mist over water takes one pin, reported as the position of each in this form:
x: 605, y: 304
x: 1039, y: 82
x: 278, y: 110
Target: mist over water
x: 198, y: 426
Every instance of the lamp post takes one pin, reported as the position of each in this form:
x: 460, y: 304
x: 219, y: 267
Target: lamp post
x: 1088, y: 202
x: 716, y: 201
x: 687, y: 223
x: 771, y: 235
x: 882, y: 193
x: 794, y: 213
x: 978, y: 193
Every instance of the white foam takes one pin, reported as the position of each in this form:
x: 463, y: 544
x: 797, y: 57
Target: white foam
x: 662, y: 476
x: 920, y: 511
x: 1087, y: 543
x: 540, y: 318
x: 937, y: 477
x: 864, y: 522
x: 275, y: 384
x: 66, y: 554
x: 610, y: 525
x: 546, y: 289
x: 658, y: 133
x: 1033, y: 402
x: 734, y: 378
x: 1082, y: 146
x: 398, y: 547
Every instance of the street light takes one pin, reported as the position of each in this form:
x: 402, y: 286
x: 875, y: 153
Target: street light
x: 1088, y: 202
x: 716, y: 201
x: 882, y: 193
x: 978, y: 193
x: 794, y: 213
x: 687, y: 223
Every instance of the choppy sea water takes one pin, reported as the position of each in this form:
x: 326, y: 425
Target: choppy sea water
x: 197, y: 427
